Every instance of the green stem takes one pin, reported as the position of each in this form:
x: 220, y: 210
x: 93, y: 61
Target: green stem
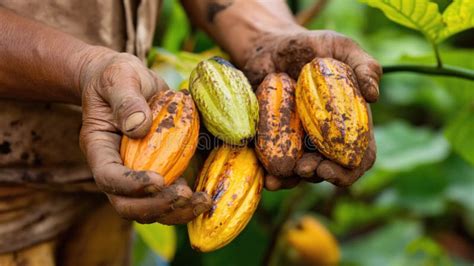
x: 439, y: 63
x: 432, y: 70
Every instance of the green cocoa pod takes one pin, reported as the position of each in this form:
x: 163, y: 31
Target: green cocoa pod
x: 225, y: 99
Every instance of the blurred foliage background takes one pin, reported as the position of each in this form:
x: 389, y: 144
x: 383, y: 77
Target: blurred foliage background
x: 415, y: 207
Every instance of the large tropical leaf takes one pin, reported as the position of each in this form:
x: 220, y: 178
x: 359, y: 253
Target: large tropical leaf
x: 393, y: 244
x: 401, y: 147
x: 458, y: 16
x: 421, y: 15
x: 460, y: 131
x: 159, y: 238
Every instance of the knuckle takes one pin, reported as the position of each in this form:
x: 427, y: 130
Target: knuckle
x: 145, y: 219
x: 375, y: 67
x: 346, y: 42
x: 129, y: 103
x: 329, y: 33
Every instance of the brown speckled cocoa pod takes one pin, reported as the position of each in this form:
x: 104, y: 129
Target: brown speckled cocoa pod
x: 279, y: 132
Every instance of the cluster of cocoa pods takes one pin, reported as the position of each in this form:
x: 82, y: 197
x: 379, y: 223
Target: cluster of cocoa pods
x: 324, y: 102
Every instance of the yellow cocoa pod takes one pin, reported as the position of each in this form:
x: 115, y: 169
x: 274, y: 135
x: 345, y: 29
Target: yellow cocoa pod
x: 313, y: 243
x: 333, y: 111
x: 233, y: 178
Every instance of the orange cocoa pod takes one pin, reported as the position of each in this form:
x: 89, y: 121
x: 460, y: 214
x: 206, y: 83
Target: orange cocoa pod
x: 279, y: 132
x: 172, y: 140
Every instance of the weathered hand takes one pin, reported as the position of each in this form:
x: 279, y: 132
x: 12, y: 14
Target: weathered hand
x: 314, y: 167
x: 115, y: 88
x: 289, y: 52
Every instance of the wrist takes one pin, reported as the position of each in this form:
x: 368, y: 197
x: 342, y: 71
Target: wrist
x: 242, y: 28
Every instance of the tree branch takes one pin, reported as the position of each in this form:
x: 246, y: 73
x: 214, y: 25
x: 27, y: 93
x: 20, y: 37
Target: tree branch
x: 445, y: 70
x: 306, y: 16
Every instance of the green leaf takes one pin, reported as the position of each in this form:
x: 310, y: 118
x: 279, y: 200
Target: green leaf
x: 178, y: 29
x: 385, y: 246
x: 143, y: 256
x: 349, y: 214
x: 402, y: 147
x: 247, y: 249
x: 460, y: 132
x: 460, y: 89
x: 398, y: 243
x: 458, y: 16
x: 159, y: 238
x: 460, y: 175
x: 421, y: 15
x: 431, y: 250
x: 418, y: 190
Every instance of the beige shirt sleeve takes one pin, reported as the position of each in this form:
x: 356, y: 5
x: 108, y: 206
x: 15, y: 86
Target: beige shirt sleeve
x: 125, y: 26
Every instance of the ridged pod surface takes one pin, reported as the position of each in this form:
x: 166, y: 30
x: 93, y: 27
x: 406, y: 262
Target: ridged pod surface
x: 279, y: 132
x: 225, y: 99
x: 172, y: 140
x: 332, y: 110
x: 233, y: 178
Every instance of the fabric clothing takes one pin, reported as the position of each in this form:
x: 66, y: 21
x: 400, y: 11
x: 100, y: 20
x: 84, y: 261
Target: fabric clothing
x: 45, y: 183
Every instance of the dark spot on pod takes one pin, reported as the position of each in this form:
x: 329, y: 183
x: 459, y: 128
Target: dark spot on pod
x: 325, y: 129
x: 221, y: 188
x: 323, y: 68
x: 222, y: 61
x: 344, y: 117
x: 338, y: 140
x: 288, y: 144
x: 166, y: 123
x: 172, y: 107
x: 294, y: 152
x: 328, y: 107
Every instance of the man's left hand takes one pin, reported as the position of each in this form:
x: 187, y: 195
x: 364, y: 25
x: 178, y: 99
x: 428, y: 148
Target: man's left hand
x: 289, y: 52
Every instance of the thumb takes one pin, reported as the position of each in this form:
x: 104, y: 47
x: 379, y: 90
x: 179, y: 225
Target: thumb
x: 131, y: 111
x: 128, y: 99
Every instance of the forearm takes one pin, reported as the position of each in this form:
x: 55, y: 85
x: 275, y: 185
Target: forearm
x: 237, y: 24
x: 38, y: 62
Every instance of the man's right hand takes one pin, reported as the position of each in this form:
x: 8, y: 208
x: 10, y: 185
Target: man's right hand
x: 115, y: 88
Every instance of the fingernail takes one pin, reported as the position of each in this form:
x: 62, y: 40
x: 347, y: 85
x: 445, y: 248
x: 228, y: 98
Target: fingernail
x: 200, y: 208
x: 151, y: 189
x: 134, y: 120
x: 180, y: 202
